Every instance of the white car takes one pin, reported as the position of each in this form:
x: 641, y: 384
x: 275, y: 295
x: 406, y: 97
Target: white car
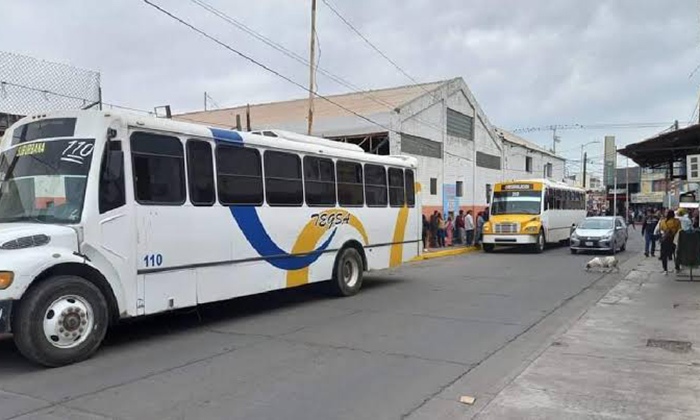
x: 604, y: 233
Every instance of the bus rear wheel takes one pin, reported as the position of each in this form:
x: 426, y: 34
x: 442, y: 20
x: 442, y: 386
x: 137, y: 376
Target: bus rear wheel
x: 60, y: 321
x: 347, y: 273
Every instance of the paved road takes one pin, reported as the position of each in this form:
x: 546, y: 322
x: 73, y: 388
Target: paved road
x: 406, y: 346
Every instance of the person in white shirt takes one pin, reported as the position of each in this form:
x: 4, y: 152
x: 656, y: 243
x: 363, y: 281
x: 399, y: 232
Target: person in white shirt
x: 469, y: 226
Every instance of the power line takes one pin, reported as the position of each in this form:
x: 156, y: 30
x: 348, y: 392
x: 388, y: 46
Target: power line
x: 300, y: 59
x: 263, y: 66
x: 368, y: 42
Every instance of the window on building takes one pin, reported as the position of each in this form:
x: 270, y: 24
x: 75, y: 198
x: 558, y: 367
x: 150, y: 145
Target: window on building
x: 200, y: 173
x: 459, y: 125
x: 459, y: 189
x: 349, y: 175
x: 548, y: 170
x: 239, y: 175
x: 528, y: 164
x: 375, y: 186
x: 433, y: 186
x: 319, y: 181
x: 159, y: 169
x: 397, y: 196
x: 489, y: 189
x: 410, y: 188
x: 283, y: 186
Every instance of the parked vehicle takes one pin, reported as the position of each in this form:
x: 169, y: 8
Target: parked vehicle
x: 106, y: 216
x: 605, y: 233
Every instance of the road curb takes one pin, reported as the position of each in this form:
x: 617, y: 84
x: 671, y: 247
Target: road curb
x: 445, y: 253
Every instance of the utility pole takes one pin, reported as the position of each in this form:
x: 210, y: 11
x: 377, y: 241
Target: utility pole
x: 585, y: 160
x: 627, y: 188
x: 312, y: 66
x: 205, y: 101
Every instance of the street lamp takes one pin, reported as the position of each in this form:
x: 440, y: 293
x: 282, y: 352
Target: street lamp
x: 583, y: 164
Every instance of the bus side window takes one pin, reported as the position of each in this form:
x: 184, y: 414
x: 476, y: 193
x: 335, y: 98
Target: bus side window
x: 411, y: 189
x: 397, y: 197
x: 239, y: 175
x: 349, y: 175
x: 376, y: 190
x: 319, y: 181
x: 159, y: 169
x: 200, y: 172
x: 283, y: 185
x: 112, y: 194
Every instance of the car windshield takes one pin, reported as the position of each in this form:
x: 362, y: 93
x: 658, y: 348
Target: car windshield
x: 45, y: 181
x: 597, y: 224
x: 516, y: 202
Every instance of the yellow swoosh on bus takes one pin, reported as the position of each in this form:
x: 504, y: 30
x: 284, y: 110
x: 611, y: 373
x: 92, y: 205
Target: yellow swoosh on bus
x: 309, y: 237
x: 396, y: 255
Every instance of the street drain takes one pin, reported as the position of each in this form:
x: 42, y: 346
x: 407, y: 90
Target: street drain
x: 670, y: 345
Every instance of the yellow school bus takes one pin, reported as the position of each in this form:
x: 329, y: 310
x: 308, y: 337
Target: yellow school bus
x: 532, y: 213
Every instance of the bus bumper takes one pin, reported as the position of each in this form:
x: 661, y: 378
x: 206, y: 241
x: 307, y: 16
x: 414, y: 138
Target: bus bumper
x: 510, y: 239
x: 5, y: 311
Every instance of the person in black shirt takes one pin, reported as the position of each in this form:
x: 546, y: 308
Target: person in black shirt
x: 648, y: 226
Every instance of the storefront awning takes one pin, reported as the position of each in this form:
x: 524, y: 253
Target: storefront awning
x: 665, y: 148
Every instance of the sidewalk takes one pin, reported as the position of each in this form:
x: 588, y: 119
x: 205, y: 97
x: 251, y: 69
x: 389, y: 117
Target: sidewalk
x: 448, y: 252
x: 635, y: 354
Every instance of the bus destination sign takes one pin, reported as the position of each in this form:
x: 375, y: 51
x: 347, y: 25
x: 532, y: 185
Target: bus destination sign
x: 517, y: 187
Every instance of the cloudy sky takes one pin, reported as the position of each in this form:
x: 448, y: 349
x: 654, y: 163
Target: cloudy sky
x: 530, y: 63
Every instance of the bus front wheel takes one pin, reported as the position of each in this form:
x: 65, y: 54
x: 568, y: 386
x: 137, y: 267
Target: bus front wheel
x: 488, y: 247
x: 539, y: 246
x: 60, y: 321
x: 347, y: 272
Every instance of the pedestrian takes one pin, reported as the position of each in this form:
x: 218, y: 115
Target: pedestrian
x: 648, y: 227
x: 479, y: 228
x: 441, y: 231
x: 630, y: 219
x: 461, y: 233
x: 449, y: 231
x: 469, y: 226
x: 434, y: 230
x: 668, y: 228
x: 426, y: 231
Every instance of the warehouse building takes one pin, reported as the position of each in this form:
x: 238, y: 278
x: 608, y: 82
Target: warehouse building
x: 461, y: 155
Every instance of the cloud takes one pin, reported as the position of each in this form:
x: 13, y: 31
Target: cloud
x: 529, y: 63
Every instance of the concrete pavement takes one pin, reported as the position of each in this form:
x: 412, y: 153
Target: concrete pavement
x: 632, y: 356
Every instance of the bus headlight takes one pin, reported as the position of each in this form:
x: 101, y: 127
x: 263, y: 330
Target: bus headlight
x: 6, y: 278
x: 487, y: 227
x: 532, y: 229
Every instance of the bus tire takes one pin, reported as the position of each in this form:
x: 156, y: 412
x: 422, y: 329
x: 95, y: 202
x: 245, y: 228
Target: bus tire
x: 347, y: 273
x: 488, y: 247
x: 539, y: 246
x: 61, y: 320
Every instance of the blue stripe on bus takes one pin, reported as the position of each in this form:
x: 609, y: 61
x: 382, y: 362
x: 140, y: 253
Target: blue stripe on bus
x: 226, y: 135
x: 254, y: 231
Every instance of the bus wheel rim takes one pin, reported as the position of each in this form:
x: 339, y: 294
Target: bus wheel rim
x: 350, y: 272
x: 68, y: 322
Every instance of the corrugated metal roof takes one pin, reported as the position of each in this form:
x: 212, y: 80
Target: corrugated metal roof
x: 274, y: 113
x: 515, y: 139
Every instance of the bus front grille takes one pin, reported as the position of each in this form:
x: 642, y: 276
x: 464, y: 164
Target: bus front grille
x: 507, y: 228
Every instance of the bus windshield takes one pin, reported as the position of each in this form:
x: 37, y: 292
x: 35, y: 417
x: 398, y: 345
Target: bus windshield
x: 45, y: 181
x: 516, y: 202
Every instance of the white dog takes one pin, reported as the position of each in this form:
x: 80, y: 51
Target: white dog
x: 604, y: 263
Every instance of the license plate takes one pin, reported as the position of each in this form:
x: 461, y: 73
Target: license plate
x: 589, y: 243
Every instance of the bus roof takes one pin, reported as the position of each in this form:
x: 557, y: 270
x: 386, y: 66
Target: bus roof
x: 284, y: 140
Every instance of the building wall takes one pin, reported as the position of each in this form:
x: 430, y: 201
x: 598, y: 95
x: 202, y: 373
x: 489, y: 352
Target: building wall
x: 516, y: 155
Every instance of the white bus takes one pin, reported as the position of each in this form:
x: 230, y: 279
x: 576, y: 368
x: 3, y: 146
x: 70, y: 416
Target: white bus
x: 533, y: 213
x: 107, y: 215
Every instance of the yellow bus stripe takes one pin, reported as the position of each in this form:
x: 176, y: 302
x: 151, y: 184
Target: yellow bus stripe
x: 396, y: 256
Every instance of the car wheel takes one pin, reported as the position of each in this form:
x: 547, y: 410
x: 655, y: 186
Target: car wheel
x: 613, y: 248
x: 60, y: 321
x: 624, y: 246
x: 347, y: 273
x: 574, y: 251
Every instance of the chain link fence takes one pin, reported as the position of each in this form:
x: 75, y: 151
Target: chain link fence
x: 29, y: 85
